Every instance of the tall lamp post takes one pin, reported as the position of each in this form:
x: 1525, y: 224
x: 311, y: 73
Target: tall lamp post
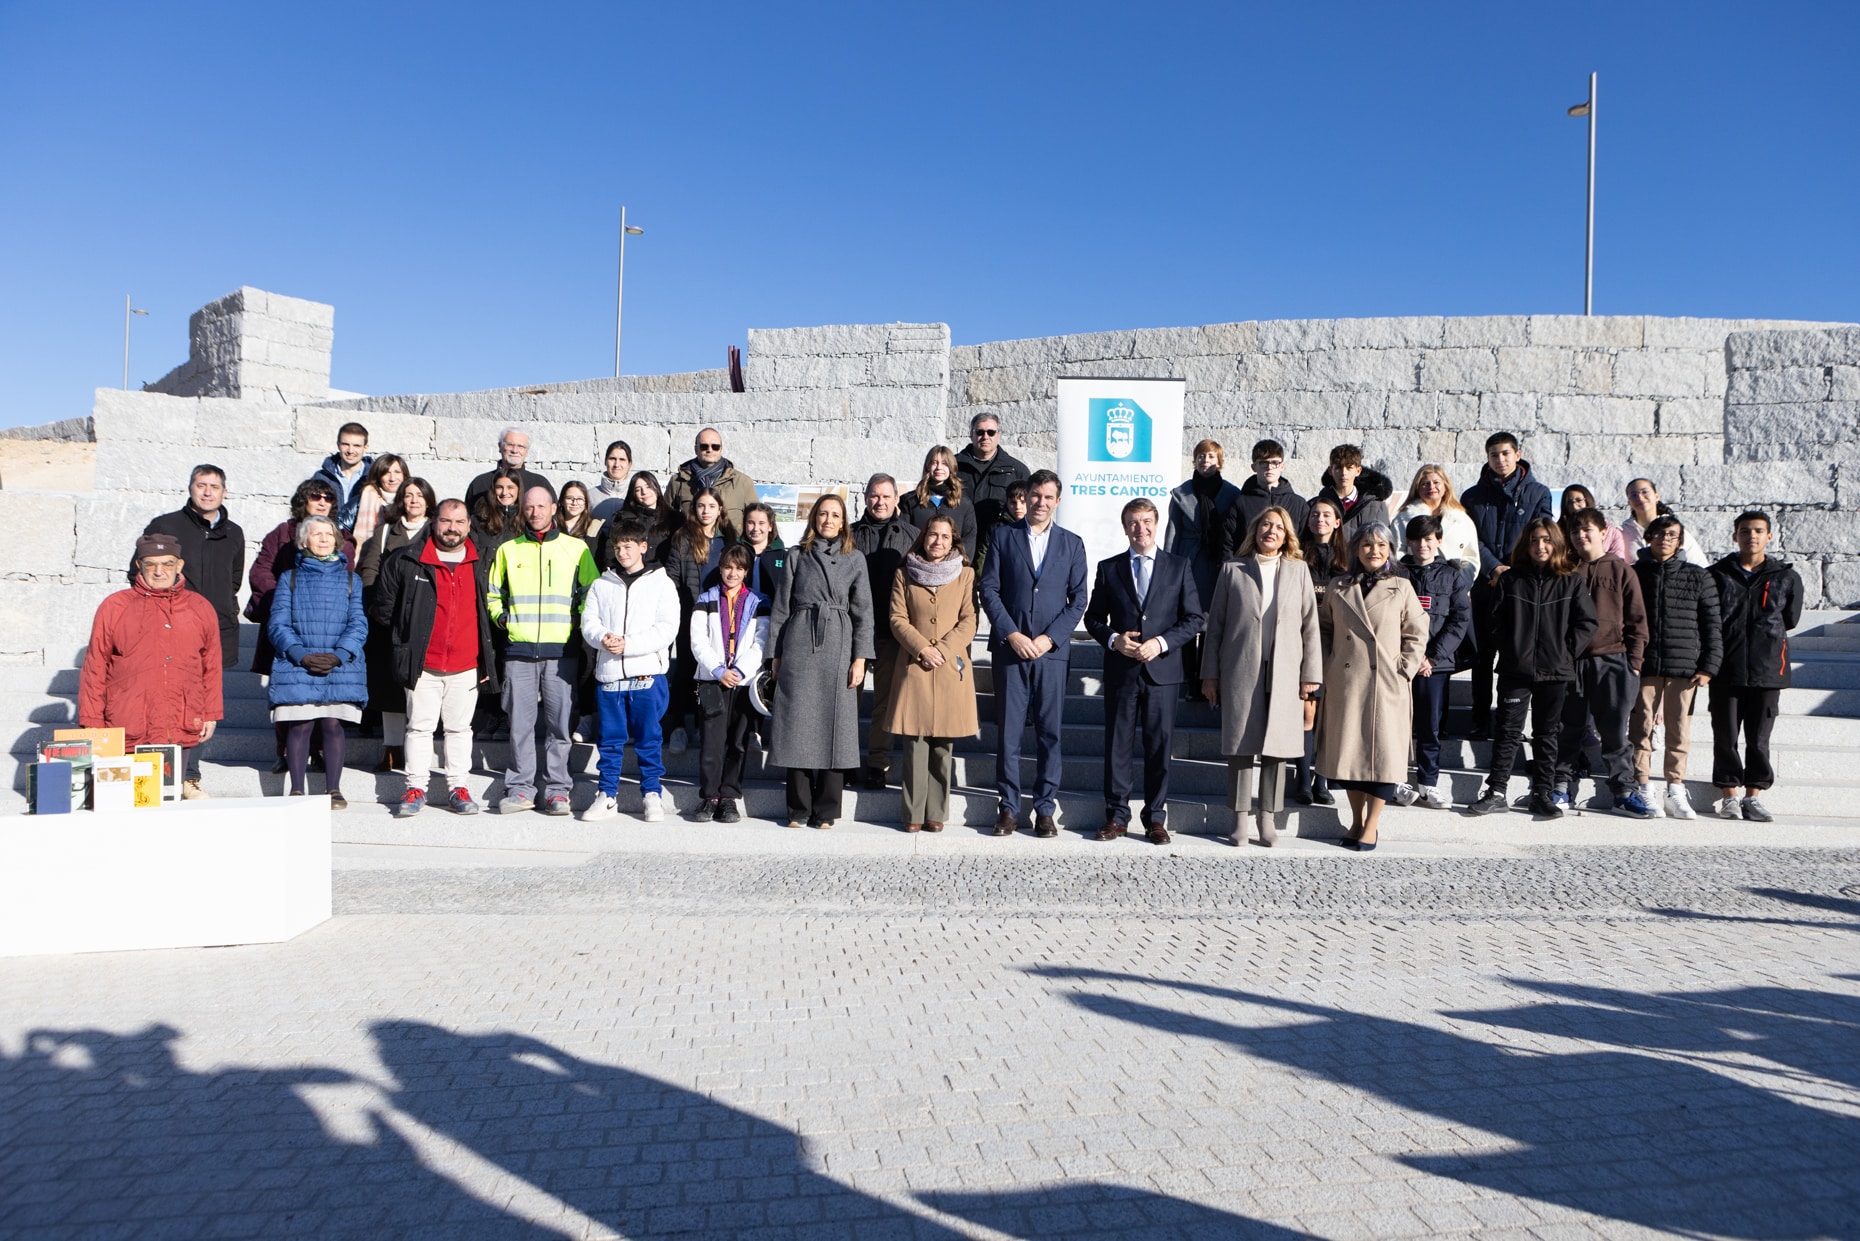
x: 620, y: 283
x: 127, y: 311
x: 1587, y: 108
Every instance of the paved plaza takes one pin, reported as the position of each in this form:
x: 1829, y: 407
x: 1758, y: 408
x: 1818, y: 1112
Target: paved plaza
x: 1564, y: 1042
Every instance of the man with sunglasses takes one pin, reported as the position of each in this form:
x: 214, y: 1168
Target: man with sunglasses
x: 711, y: 469
x: 987, y: 472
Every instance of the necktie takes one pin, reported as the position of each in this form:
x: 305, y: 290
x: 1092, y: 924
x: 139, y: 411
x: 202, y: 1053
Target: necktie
x: 1143, y: 578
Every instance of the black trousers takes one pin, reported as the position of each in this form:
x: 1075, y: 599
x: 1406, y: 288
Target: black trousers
x: 726, y: 717
x: 1752, y: 712
x: 1543, y: 701
x: 1605, y: 690
x: 1484, y: 653
x: 1138, y: 712
x: 814, y: 795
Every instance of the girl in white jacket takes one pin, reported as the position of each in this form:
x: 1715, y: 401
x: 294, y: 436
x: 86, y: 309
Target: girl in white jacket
x: 729, y: 628
x: 630, y: 618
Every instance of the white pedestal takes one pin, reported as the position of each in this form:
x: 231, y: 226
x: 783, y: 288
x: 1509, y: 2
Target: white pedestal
x: 248, y: 870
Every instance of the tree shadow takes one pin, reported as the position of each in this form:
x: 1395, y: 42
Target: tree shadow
x: 1639, y: 1138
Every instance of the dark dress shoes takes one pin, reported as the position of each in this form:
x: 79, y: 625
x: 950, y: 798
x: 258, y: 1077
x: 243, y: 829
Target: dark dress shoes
x: 1111, y: 831
x: 1044, y: 827
x: 1004, y: 825
x: 1158, y: 834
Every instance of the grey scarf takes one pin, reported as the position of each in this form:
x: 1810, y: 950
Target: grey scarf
x: 932, y: 572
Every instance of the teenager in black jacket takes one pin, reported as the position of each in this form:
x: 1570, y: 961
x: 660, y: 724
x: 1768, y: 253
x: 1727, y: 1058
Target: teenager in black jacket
x: 1542, y: 618
x: 1759, y: 602
x: 1685, y: 645
x: 1446, y: 597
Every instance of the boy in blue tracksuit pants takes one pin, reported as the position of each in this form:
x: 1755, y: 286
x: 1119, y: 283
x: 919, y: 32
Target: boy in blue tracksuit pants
x: 1447, y: 601
x: 631, y: 620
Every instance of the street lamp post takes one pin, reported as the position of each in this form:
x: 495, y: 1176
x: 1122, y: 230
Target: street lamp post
x: 620, y: 283
x: 127, y: 311
x: 1587, y: 108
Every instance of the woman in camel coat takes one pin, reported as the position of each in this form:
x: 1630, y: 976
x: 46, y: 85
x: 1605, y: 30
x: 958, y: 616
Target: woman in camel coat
x: 1377, y: 635
x: 1262, y: 642
x: 933, y: 691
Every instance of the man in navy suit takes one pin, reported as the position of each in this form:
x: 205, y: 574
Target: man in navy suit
x: 1033, y: 590
x: 1144, y: 610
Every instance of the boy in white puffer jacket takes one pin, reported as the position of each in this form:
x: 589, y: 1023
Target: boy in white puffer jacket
x: 729, y: 629
x: 631, y: 620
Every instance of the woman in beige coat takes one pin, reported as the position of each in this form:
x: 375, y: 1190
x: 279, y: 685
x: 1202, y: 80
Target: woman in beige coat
x: 933, y: 690
x: 1262, y: 637
x: 1376, y: 635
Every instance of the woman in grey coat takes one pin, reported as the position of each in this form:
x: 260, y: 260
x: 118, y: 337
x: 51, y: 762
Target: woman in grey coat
x: 820, y: 636
x: 1263, y: 648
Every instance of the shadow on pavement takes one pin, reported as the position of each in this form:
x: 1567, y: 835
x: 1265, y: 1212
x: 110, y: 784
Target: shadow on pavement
x: 1103, y: 1211
x: 1635, y: 1137
x: 473, y: 1136
x: 1807, y: 900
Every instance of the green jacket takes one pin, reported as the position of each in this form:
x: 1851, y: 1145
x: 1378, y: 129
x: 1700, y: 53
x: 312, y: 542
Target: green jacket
x: 534, y: 592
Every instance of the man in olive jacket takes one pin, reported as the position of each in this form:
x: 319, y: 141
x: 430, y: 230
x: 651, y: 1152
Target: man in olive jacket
x: 711, y: 470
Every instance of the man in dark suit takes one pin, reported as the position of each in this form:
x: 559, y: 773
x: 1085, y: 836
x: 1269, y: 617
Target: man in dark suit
x: 1033, y: 590
x: 1144, y: 610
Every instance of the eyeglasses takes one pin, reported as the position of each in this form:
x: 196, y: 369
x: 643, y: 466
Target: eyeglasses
x: 987, y: 435
x: 710, y: 447
x: 1269, y: 463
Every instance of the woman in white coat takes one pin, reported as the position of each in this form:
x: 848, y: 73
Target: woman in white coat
x: 1432, y: 493
x: 729, y: 627
x: 1262, y: 641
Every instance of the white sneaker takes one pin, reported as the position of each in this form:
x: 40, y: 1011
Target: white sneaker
x: 679, y: 743
x: 1405, y: 794
x: 602, y: 807
x: 1653, y: 803
x: 1678, y: 803
x: 1728, y: 808
x: 653, y: 809
x: 1434, y: 798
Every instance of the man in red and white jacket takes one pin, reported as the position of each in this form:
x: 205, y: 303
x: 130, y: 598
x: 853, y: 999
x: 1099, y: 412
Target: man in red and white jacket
x: 430, y: 596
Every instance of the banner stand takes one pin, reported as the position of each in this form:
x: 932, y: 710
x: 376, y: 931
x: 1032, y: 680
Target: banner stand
x: 1118, y: 439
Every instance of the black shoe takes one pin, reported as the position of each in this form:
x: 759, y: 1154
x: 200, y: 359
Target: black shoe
x: 1544, y: 807
x: 1480, y: 732
x: 280, y: 767
x: 1322, y: 796
x: 705, y: 812
x: 1044, y: 827
x: 1004, y: 825
x: 1490, y: 803
x: 727, y: 811
x: 316, y: 762
x: 1302, y: 795
x: 873, y: 778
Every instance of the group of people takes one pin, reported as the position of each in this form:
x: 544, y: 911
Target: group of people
x: 1324, y: 629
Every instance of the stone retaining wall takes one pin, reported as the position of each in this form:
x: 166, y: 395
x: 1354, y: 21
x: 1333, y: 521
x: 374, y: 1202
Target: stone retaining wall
x: 1596, y: 400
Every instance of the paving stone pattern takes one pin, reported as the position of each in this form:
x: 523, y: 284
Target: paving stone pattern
x: 1423, y: 1048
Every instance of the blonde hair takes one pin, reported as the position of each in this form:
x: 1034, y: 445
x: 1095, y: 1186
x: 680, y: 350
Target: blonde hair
x: 1291, y: 550
x: 955, y: 480
x: 1448, y: 497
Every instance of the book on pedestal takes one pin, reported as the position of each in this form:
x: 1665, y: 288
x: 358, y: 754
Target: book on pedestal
x: 104, y: 742
x: 48, y: 786
x: 146, y: 780
x: 170, y: 773
x: 78, y: 755
x: 113, y: 784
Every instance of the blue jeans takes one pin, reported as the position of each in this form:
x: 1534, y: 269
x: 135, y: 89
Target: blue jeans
x: 632, y: 713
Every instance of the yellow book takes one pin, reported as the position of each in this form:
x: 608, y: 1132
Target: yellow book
x: 147, y: 781
x: 104, y: 742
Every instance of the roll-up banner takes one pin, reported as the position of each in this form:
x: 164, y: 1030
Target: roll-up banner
x: 1118, y: 439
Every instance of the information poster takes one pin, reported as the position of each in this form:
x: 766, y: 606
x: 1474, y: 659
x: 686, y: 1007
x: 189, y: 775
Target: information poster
x: 1118, y: 439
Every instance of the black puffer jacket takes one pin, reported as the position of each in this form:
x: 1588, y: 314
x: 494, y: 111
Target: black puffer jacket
x: 883, y: 544
x: 1757, y: 614
x: 1542, y: 621
x: 1683, y: 633
x: 1373, y: 490
x: 1445, y: 597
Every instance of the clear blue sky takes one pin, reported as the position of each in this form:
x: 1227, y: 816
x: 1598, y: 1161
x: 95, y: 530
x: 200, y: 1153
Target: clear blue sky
x: 448, y: 175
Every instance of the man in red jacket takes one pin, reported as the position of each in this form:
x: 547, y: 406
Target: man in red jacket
x: 153, y: 665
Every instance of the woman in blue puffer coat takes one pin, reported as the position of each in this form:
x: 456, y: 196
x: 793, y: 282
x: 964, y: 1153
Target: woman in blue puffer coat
x: 319, y: 679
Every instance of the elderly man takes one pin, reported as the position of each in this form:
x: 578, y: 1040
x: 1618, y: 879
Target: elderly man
x: 513, y: 449
x: 711, y: 469
x: 987, y: 472
x: 534, y: 593
x: 153, y: 665
x: 883, y: 536
x: 430, y: 599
